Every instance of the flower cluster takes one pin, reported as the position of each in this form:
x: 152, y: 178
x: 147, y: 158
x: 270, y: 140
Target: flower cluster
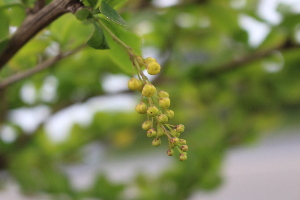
x: 155, y: 104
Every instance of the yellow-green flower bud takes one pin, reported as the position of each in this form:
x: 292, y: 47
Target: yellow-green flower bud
x: 148, y: 90
x: 160, y: 131
x: 184, y: 148
x: 163, y: 94
x: 180, y: 128
x: 150, y: 60
x: 141, y: 108
x: 182, y: 157
x: 174, y: 141
x: 169, y: 113
x: 147, y: 125
x: 164, y: 102
x: 170, y: 152
x: 153, y: 68
x: 162, y: 118
x: 152, y: 111
x: 151, y: 133
x: 175, y: 133
x: 182, y: 141
x: 135, y: 84
x: 156, y: 142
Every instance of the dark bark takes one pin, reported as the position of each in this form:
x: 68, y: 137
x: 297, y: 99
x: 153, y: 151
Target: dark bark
x: 34, y: 23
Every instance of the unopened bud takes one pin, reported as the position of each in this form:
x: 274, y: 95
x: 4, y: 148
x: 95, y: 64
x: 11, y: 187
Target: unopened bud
x: 162, y: 118
x: 174, y: 141
x: 182, y: 141
x: 182, y: 157
x: 148, y: 90
x: 135, y: 84
x: 180, y: 128
x: 184, y: 148
x: 169, y: 113
x: 153, y: 68
x: 156, y: 142
x: 150, y: 60
x: 163, y: 94
x: 160, y: 131
x: 164, y: 102
x: 151, y: 132
x: 170, y: 152
x: 141, y: 108
x: 147, y: 125
x: 152, y: 111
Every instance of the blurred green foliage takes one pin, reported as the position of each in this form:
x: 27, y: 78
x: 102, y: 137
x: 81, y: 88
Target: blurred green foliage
x: 225, y: 90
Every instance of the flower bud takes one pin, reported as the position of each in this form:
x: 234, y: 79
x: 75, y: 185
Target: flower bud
x: 169, y: 113
x: 180, y: 128
x: 151, y: 132
x: 152, y: 111
x: 160, y: 131
x: 184, y: 148
x: 162, y: 118
x: 174, y: 141
x: 141, y: 108
x: 147, y: 125
x: 135, y: 84
x: 150, y: 60
x: 156, y: 142
x: 163, y: 94
x: 170, y: 152
x: 148, y: 90
x: 182, y: 157
x: 174, y: 133
x: 164, y: 102
x: 182, y: 141
x: 153, y: 68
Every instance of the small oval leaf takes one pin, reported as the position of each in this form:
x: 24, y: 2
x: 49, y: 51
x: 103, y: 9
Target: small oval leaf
x: 111, y: 14
x: 82, y: 14
x: 98, y: 41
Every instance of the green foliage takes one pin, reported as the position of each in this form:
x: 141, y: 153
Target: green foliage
x: 117, y: 54
x: 82, y: 14
x: 111, y: 14
x: 225, y: 90
x: 98, y: 41
x: 4, y: 25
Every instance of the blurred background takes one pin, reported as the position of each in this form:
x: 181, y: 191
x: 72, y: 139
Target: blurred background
x: 231, y: 68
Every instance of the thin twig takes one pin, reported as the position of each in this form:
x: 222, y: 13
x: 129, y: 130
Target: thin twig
x: 44, y: 65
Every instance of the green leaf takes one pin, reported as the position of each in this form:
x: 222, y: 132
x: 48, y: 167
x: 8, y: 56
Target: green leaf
x: 118, y: 53
x: 16, y: 14
x: 93, y: 2
x: 111, y: 14
x: 4, y: 25
x: 98, y: 41
x: 82, y: 14
x: 113, y: 3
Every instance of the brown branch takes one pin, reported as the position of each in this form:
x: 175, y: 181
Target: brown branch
x: 241, y: 62
x: 44, y: 65
x: 34, y: 23
x: 39, y: 4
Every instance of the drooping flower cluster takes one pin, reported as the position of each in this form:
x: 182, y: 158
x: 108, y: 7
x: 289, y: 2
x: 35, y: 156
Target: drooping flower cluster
x: 155, y: 105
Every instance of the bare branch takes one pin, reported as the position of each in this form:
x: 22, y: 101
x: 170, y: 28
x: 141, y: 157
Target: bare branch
x: 44, y: 65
